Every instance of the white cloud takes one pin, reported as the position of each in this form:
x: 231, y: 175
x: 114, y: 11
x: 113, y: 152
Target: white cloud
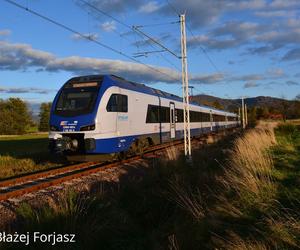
x: 113, y: 6
x: 85, y: 37
x: 5, y: 32
x: 284, y: 4
x: 16, y: 90
x: 149, y: 7
x: 109, y: 26
x: 290, y: 83
x: 23, y: 57
x: 293, y: 54
x: 20, y: 56
x: 276, y: 72
x: 242, y: 5
x: 276, y: 13
x: 229, y: 35
x: 250, y: 85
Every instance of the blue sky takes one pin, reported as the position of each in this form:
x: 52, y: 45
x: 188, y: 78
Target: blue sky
x: 253, y: 46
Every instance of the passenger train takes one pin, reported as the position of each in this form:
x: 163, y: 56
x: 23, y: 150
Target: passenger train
x: 108, y: 115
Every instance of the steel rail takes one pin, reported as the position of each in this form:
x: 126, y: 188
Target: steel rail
x: 33, y: 182
x: 18, y: 186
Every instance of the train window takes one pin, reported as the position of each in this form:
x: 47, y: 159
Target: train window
x: 218, y: 118
x: 117, y: 103
x: 152, y: 114
x: 179, y: 115
x: 231, y: 118
x: 156, y: 114
x: 195, y: 116
x: 205, y: 117
x: 77, y: 101
x: 164, y: 114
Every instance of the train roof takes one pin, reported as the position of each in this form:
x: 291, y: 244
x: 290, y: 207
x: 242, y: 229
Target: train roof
x: 139, y: 87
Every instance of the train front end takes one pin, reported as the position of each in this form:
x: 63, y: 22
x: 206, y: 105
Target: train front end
x: 73, y: 116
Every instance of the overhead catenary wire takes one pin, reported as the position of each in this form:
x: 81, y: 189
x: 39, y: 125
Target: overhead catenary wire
x: 105, y: 13
x: 173, y: 8
x: 145, y: 53
x: 141, y: 34
x: 88, y: 37
x: 155, y: 41
x: 190, y: 30
x: 157, y: 24
x: 204, y: 51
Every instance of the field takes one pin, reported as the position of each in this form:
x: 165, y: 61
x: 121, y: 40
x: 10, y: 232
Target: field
x: 25, y: 153
x: 240, y: 193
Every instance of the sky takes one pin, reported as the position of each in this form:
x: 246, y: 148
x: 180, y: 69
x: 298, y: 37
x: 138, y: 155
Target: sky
x: 235, y: 47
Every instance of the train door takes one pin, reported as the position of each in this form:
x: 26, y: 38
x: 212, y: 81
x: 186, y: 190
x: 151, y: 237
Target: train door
x: 172, y: 121
x: 120, y: 100
x: 110, y: 118
x: 122, y: 114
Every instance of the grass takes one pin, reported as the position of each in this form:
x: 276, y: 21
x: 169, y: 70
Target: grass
x: 25, y: 153
x: 248, y: 172
x: 287, y: 163
x: 239, y: 193
x: 295, y: 121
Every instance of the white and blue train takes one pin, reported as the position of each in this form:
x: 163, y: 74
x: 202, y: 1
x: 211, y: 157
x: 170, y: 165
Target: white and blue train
x: 108, y: 115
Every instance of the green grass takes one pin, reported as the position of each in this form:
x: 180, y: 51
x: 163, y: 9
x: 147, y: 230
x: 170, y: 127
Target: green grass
x: 178, y: 206
x: 24, y: 145
x: 25, y: 153
x: 287, y: 163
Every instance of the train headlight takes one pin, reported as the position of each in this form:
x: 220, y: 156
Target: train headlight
x: 88, y: 127
x: 53, y: 128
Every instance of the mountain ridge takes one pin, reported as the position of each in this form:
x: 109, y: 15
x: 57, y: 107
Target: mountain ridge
x: 233, y: 104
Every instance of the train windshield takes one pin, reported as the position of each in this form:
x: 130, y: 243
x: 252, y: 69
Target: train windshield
x: 74, y: 101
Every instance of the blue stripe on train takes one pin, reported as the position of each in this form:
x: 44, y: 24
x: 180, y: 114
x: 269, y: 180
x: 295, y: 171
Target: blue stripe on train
x: 118, y: 144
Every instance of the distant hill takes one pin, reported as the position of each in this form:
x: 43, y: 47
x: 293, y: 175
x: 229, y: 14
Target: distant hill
x: 233, y: 104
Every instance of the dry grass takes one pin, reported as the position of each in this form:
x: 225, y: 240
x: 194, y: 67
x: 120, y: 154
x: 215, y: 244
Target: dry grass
x: 237, y: 243
x: 190, y: 208
x: 249, y: 174
x: 284, y: 227
x: 172, y: 153
x: 173, y: 244
x: 190, y: 201
x: 11, y: 166
x: 67, y: 208
x: 249, y: 169
x: 25, y: 153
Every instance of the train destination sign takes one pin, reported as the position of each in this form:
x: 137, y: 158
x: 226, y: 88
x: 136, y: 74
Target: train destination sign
x: 85, y: 84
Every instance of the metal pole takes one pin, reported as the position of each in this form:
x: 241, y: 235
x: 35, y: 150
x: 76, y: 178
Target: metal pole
x: 239, y: 116
x: 185, y: 94
x: 243, y: 113
x: 246, y: 115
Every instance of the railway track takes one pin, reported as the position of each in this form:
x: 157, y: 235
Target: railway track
x: 18, y: 186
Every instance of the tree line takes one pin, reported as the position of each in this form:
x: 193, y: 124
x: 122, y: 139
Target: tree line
x: 285, y: 110
x: 16, y: 117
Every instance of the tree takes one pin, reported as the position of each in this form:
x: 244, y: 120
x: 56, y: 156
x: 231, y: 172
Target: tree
x: 44, y: 116
x: 15, y: 116
x: 297, y: 106
x: 252, y: 116
x: 217, y: 105
x: 262, y: 113
x: 284, y: 107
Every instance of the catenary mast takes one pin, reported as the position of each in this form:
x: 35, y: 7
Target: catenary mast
x: 185, y: 89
